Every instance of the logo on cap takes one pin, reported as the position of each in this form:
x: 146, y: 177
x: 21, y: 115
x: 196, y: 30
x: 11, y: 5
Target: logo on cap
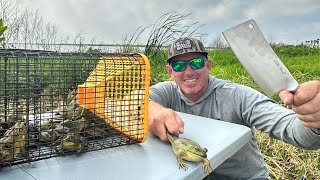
x: 183, y: 45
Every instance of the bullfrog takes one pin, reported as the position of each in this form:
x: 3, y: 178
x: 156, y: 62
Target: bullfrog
x: 13, y: 143
x: 187, y: 149
x: 49, y: 136
x: 68, y: 125
x: 70, y: 109
x: 71, y: 142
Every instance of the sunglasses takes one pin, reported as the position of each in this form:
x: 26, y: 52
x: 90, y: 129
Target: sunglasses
x: 196, y: 63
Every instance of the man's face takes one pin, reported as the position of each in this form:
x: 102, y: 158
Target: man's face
x: 193, y: 83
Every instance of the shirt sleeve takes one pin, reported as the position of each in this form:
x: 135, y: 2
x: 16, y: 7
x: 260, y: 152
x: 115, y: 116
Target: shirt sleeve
x: 160, y: 93
x: 278, y: 122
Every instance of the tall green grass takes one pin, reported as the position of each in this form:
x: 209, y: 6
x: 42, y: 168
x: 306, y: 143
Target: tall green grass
x: 284, y: 160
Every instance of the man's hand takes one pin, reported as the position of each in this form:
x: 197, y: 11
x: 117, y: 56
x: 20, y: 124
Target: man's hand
x: 162, y: 119
x: 305, y: 102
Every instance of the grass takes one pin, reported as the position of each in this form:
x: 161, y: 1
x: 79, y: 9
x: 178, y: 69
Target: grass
x: 284, y: 160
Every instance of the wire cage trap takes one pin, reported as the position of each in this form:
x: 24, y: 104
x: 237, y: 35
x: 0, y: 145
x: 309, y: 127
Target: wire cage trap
x: 54, y: 104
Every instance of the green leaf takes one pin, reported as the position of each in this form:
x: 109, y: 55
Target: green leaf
x: 2, y: 29
x: 302, y: 172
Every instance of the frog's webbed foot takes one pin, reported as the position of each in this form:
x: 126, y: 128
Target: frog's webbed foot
x: 207, y: 166
x: 182, y: 164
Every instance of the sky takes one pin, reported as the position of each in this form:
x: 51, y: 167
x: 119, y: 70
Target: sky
x: 109, y: 21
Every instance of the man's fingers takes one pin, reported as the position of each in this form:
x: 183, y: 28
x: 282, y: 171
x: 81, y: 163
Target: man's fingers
x: 162, y: 119
x: 175, y: 125
x: 168, y: 121
x: 180, y: 124
x: 153, y: 128
x: 308, y: 118
x: 307, y: 98
x: 286, y: 97
x: 310, y: 107
x: 311, y: 124
x: 306, y: 92
x: 162, y: 132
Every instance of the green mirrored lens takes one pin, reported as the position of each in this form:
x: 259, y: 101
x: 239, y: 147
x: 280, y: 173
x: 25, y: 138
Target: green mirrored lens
x: 196, y: 63
x: 179, y: 66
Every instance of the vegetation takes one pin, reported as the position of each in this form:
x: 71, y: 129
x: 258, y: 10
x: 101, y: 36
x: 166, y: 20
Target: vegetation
x: 2, y: 29
x: 164, y: 31
x: 285, y: 161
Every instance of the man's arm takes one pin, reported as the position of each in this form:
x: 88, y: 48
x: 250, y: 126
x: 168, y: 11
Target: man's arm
x: 305, y: 103
x: 277, y: 121
x: 162, y: 119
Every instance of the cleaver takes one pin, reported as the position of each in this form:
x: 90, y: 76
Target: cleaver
x: 258, y: 58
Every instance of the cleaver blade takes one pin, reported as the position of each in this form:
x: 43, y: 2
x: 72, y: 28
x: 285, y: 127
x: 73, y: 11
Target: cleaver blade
x: 258, y: 58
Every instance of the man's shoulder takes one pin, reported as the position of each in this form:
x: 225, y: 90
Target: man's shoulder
x: 165, y: 87
x: 165, y: 84
x: 223, y: 84
x: 226, y: 86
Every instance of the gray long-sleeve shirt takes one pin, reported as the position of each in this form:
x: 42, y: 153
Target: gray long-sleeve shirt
x: 239, y: 104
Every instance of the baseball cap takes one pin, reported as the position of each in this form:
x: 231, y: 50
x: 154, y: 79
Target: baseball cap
x: 185, y: 45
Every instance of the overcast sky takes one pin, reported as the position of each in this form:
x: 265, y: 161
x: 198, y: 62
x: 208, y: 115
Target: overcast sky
x: 109, y: 21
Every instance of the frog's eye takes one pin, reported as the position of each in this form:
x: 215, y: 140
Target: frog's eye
x: 7, y: 146
x: 197, y: 149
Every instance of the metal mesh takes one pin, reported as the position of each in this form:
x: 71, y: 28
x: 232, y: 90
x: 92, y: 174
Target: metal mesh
x: 54, y: 104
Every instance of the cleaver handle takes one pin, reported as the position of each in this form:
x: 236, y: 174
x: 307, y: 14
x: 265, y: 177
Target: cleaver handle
x: 316, y: 129
x: 294, y: 91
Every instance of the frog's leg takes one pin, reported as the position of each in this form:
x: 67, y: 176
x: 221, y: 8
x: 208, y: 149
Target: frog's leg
x: 180, y: 154
x: 206, y: 165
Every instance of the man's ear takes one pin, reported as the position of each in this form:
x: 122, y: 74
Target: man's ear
x: 209, y: 64
x: 169, y: 69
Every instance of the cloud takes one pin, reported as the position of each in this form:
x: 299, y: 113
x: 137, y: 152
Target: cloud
x: 110, y: 21
x: 274, y: 8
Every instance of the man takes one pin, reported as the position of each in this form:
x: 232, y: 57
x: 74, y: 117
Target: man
x: 195, y: 91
